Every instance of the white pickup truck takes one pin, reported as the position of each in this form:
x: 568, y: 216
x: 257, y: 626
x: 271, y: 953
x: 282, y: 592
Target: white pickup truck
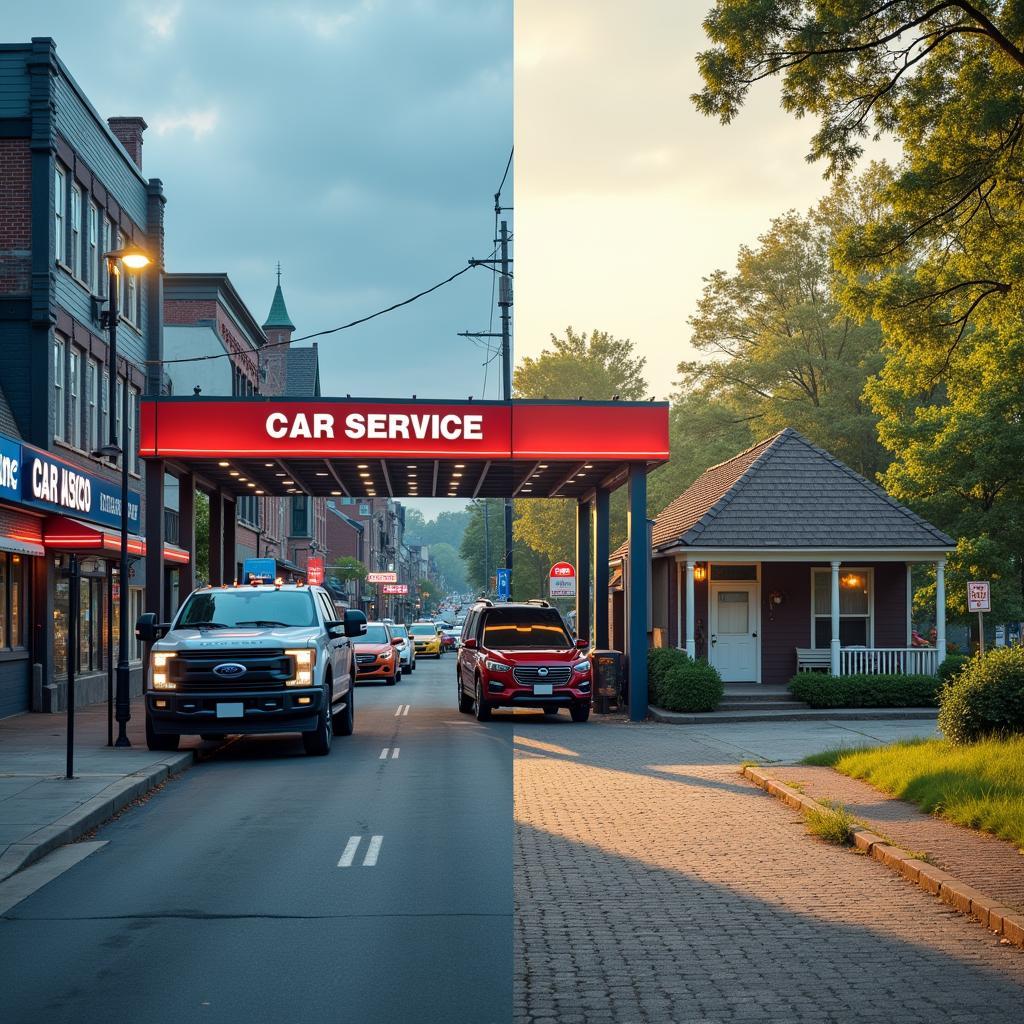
x: 261, y: 658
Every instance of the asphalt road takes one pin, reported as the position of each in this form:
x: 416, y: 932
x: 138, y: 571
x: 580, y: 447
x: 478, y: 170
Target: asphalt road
x: 253, y: 888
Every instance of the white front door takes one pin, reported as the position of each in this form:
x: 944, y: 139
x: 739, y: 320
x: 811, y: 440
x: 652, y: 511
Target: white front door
x: 734, y: 631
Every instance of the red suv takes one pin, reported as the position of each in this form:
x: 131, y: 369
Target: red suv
x: 522, y: 656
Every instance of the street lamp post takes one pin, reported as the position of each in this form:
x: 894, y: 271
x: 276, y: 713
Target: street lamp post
x: 133, y: 259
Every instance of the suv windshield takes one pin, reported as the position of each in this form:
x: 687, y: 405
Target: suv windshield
x: 375, y: 634
x: 248, y: 607
x: 524, y: 627
x: 400, y: 631
x: 423, y: 629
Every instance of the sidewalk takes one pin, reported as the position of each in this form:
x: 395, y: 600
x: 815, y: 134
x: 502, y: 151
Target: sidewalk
x: 40, y: 809
x: 990, y: 865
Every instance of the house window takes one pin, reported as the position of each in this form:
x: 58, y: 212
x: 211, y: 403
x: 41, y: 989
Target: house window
x: 92, y: 260
x: 60, y: 179
x: 74, y: 431
x: 132, y: 446
x: 856, y: 607
x: 59, y: 411
x: 300, y: 517
x: 92, y: 405
x: 107, y: 230
x: 131, y: 309
x: 75, y: 233
x: 118, y: 411
x: 104, y: 411
x: 12, y: 589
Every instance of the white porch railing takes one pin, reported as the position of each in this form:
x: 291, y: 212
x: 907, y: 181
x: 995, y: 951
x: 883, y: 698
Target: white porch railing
x: 902, y: 660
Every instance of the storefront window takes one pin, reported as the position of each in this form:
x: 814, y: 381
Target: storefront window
x: 92, y: 638
x: 12, y: 589
x: 61, y: 612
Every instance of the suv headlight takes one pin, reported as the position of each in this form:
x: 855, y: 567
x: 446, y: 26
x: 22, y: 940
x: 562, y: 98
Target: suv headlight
x: 160, y: 663
x: 581, y: 666
x: 305, y: 659
x: 496, y: 666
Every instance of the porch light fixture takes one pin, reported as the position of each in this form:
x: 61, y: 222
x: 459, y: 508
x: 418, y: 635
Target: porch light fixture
x: 700, y: 573
x: 852, y: 581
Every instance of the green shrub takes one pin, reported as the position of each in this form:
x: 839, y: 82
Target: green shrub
x: 986, y: 698
x: 659, y: 661
x: 831, y: 822
x: 951, y: 666
x: 689, y: 686
x: 865, y: 691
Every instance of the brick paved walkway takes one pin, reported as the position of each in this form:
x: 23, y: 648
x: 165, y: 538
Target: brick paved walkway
x: 653, y: 883
x: 990, y: 865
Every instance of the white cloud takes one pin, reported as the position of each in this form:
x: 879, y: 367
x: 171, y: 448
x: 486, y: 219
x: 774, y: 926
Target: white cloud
x: 328, y: 25
x: 198, y: 122
x: 163, y: 22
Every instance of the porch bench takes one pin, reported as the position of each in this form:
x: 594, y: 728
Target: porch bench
x: 809, y: 659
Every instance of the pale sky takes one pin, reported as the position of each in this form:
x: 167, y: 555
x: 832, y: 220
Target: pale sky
x: 625, y: 196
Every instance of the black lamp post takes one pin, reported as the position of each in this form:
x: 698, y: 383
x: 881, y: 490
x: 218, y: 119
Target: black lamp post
x: 133, y: 259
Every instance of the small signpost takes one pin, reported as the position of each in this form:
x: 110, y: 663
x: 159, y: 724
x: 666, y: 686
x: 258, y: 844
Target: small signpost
x: 382, y: 577
x: 562, y: 580
x: 979, y: 599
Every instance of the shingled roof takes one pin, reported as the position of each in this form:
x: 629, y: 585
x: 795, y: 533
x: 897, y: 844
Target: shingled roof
x: 302, y: 373
x: 786, y: 493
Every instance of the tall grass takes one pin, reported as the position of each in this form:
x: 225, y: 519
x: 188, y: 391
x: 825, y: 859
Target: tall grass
x: 980, y: 785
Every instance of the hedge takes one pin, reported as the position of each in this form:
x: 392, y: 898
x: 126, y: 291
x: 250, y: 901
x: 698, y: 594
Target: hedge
x: 677, y: 683
x: 865, y: 690
x: 986, y: 698
x: 951, y: 666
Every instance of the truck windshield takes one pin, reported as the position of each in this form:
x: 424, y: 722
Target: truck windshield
x: 514, y: 628
x: 224, y: 609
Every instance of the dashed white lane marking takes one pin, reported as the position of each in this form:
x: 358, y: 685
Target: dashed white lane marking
x: 394, y: 753
x: 373, y: 851
x: 402, y: 709
x: 406, y: 711
x: 388, y: 751
x: 383, y: 754
x: 349, y: 853
x: 352, y: 848
x: 22, y: 885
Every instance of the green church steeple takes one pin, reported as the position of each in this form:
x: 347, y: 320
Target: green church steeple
x: 278, y: 315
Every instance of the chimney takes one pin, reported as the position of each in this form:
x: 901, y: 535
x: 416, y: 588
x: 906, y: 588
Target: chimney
x: 129, y: 133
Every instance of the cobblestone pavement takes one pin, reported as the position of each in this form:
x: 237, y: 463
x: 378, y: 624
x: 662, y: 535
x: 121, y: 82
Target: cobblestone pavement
x: 653, y: 883
x: 990, y: 865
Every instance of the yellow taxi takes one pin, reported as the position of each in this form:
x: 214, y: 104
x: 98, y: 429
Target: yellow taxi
x: 427, y: 638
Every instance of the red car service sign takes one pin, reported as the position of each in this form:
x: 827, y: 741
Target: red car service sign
x: 562, y: 580
x: 395, y: 588
x: 382, y: 577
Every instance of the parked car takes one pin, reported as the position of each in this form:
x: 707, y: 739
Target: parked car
x: 377, y: 654
x: 406, y: 649
x: 521, y: 655
x: 427, y: 638
x: 256, y: 659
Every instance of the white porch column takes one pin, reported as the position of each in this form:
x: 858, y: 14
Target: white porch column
x: 834, y: 665
x: 940, y: 611
x: 680, y: 639
x: 691, y: 643
x: 910, y: 604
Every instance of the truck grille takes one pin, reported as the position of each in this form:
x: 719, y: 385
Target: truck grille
x: 528, y: 675
x: 264, y: 670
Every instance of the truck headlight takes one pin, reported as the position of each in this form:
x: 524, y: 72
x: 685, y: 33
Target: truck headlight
x: 305, y: 659
x: 160, y: 663
x: 582, y: 666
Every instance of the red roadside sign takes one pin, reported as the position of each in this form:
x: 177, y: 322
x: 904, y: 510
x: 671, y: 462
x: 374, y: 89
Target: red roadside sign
x: 315, y: 571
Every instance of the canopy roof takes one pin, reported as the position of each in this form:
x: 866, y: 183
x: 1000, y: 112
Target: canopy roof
x: 382, y: 447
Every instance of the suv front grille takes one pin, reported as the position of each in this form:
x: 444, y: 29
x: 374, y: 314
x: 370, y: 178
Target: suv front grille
x: 365, y: 659
x: 264, y: 670
x: 529, y: 675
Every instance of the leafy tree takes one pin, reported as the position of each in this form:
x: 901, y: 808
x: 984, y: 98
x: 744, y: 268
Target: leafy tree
x: 450, y: 566
x: 347, y: 568
x: 482, y: 542
x: 779, y: 349
x: 202, y: 536
x: 447, y: 528
x: 427, y: 590
x: 598, y: 367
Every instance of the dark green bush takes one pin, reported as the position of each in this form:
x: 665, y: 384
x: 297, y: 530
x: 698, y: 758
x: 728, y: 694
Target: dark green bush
x: 659, y: 661
x: 986, y: 698
x: 951, y: 666
x: 689, y: 686
x: 865, y: 691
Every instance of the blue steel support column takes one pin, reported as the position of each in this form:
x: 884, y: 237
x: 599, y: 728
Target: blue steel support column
x: 639, y: 568
x: 583, y: 569
x: 601, y: 552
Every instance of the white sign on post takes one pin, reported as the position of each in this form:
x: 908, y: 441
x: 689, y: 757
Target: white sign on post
x: 979, y: 598
x: 562, y: 580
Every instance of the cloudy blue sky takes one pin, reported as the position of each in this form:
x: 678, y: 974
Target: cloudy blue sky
x: 359, y: 143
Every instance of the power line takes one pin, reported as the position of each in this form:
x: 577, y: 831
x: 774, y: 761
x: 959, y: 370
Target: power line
x: 319, y: 334
x: 505, y: 175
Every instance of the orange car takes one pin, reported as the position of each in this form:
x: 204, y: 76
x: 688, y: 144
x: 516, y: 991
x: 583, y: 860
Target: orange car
x: 377, y: 654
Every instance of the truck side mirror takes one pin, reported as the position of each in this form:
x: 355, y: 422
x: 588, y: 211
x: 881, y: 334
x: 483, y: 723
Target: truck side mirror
x: 148, y: 630
x: 354, y: 622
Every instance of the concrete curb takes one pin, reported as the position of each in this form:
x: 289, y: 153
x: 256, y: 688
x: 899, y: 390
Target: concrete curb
x: 808, y: 715
x: 92, y: 813
x: 987, y: 911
